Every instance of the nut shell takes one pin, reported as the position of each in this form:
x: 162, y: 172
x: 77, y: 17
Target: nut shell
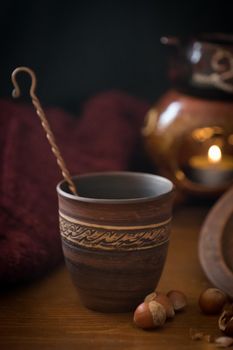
x: 178, y: 299
x: 224, y: 342
x: 150, y: 315
x: 212, y: 300
x: 225, y: 322
x: 163, y: 300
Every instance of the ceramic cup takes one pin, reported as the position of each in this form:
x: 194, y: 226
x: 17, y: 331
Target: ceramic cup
x: 115, y: 236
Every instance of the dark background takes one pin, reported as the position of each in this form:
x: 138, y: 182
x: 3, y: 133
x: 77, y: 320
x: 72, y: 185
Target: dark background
x: 79, y: 48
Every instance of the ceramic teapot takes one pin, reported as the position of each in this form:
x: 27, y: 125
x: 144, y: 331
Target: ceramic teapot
x: 188, y: 133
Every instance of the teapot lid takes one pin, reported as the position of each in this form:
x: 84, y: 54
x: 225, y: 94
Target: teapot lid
x: 203, y: 62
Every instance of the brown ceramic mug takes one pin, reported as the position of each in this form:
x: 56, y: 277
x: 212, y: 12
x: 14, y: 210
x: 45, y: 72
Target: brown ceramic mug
x: 115, y: 236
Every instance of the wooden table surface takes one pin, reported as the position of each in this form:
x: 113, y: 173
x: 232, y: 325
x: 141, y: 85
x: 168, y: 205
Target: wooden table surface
x: 48, y: 315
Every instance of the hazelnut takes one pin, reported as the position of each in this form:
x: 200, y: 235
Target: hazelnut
x: 178, y: 299
x: 150, y: 297
x: 225, y: 322
x: 212, y: 300
x: 150, y: 315
x: 163, y: 300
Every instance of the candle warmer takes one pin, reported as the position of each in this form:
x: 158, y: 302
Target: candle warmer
x: 188, y: 133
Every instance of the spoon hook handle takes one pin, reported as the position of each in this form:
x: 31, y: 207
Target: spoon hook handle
x: 44, y: 122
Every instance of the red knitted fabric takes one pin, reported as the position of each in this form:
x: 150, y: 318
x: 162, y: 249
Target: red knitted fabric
x: 103, y: 138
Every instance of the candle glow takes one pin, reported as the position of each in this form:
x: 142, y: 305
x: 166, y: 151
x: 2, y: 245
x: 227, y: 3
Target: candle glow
x: 214, y: 154
x: 212, y: 168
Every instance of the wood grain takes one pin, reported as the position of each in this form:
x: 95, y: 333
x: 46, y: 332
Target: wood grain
x: 48, y: 315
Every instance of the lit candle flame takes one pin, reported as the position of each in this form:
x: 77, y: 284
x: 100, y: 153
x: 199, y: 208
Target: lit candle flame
x: 214, y: 154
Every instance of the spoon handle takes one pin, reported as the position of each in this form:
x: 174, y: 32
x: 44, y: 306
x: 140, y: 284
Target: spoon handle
x: 44, y: 122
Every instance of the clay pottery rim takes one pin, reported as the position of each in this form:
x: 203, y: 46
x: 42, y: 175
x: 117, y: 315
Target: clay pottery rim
x: 160, y: 179
x: 213, y: 254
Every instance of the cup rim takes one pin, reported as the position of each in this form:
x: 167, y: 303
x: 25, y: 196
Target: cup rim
x: 120, y: 200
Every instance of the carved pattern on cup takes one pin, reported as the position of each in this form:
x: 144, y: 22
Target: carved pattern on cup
x: 132, y: 238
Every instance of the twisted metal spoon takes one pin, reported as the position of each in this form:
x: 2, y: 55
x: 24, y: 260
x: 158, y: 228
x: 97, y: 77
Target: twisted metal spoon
x: 44, y: 122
